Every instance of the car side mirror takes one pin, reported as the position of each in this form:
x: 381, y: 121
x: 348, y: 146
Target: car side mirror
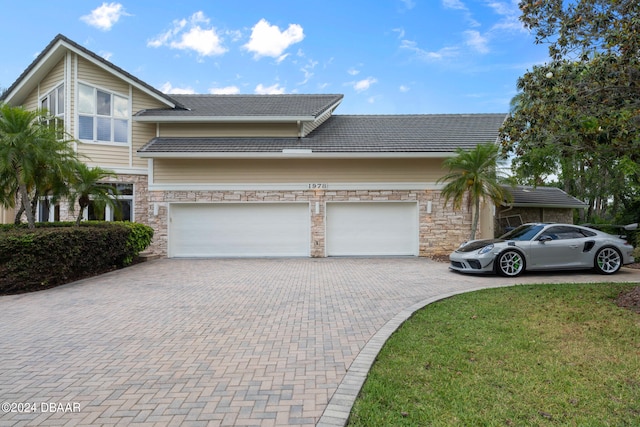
x: 543, y: 239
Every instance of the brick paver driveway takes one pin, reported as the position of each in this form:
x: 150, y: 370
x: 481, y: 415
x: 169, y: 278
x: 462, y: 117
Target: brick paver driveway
x: 215, y: 342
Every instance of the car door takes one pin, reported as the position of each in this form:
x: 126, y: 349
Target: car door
x: 558, y: 246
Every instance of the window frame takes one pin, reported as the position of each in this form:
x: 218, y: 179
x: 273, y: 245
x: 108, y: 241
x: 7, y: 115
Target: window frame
x: 55, y: 112
x: 97, y: 118
x: 108, y: 210
x: 45, y: 204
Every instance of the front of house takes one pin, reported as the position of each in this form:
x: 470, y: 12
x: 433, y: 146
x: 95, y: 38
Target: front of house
x: 256, y: 175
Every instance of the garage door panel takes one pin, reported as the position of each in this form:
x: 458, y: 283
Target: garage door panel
x: 239, y: 230
x: 370, y: 228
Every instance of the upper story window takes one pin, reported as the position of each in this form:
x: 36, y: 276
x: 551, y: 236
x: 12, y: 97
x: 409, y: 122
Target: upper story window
x: 102, y: 116
x: 53, y: 102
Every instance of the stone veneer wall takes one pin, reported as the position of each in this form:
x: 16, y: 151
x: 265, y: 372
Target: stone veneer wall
x: 440, y: 232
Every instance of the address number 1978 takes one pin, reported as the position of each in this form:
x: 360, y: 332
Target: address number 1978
x: 318, y: 186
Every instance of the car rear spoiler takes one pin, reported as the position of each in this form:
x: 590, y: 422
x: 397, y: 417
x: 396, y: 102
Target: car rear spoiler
x: 628, y: 227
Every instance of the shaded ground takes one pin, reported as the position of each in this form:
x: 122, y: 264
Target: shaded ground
x: 630, y: 299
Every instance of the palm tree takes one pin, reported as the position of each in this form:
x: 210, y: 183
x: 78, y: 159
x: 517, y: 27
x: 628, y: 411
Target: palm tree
x: 33, y: 158
x: 473, y: 174
x: 88, y: 185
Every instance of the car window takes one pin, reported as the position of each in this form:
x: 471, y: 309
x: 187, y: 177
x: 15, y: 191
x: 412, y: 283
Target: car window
x: 522, y: 233
x: 563, y: 232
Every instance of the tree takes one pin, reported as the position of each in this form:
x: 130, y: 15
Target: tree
x: 88, y: 186
x: 599, y: 42
x: 473, y: 174
x: 34, y: 160
x: 578, y: 117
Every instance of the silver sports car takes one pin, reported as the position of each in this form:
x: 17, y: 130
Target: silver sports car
x: 544, y: 247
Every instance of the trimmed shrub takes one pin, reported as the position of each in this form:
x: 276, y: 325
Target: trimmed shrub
x: 57, y: 253
x: 138, y: 240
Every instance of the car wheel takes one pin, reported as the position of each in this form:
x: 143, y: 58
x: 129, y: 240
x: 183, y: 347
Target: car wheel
x: 608, y: 260
x: 510, y: 263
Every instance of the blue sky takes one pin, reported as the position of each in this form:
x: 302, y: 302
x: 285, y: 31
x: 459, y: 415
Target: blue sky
x: 385, y: 56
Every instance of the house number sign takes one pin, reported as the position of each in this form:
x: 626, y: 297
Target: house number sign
x: 317, y: 186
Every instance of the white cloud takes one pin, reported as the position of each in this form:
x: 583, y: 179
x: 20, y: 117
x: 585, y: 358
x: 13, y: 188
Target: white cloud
x: 362, y: 85
x: 454, y: 4
x: 425, y: 55
x: 168, y: 88
x: 510, y: 13
x: 353, y: 72
x: 404, y: 88
x: 476, y: 41
x: 106, y: 55
x: 268, y: 40
x: 190, y: 35
x: 307, y: 70
x: 229, y: 90
x: 104, y: 17
x: 269, y: 90
x: 400, y: 32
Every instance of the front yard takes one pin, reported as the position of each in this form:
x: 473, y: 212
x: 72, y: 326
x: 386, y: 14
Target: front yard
x: 526, y: 355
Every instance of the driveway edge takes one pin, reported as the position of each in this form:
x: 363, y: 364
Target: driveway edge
x: 339, y: 407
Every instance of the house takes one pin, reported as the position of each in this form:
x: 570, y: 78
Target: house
x: 536, y: 204
x: 257, y: 175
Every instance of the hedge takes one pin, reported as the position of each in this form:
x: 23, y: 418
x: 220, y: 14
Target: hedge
x: 57, y: 253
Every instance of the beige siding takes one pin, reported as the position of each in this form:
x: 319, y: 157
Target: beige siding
x: 187, y: 171
x: 197, y: 130
x: 32, y: 102
x: 105, y: 155
x: 142, y: 132
x: 92, y: 75
x: 53, y: 79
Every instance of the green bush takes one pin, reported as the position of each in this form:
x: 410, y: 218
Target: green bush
x: 139, y: 239
x: 58, y: 253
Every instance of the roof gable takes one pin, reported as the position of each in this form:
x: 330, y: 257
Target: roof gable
x: 53, y: 53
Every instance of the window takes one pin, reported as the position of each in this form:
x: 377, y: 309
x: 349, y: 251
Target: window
x: 566, y: 232
x: 123, y: 201
x: 102, y: 116
x: 47, y: 211
x: 53, y: 103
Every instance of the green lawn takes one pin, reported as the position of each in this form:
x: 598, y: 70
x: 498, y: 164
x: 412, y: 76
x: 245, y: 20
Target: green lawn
x: 536, y: 355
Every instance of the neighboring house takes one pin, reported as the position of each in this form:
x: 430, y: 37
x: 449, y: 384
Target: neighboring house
x: 536, y: 204
x: 257, y: 175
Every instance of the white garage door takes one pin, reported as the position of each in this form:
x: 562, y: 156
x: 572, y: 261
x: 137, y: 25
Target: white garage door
x: 372, y: 228
x: 239, y: 229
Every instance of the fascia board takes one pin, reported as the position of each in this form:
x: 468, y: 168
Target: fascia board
x: 223, y: 119
x: 302, y: 155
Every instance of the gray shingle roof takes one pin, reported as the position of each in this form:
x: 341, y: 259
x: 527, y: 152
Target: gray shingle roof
x: 247, y: 106
x: 548, y: 197
x: 357, y: 134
